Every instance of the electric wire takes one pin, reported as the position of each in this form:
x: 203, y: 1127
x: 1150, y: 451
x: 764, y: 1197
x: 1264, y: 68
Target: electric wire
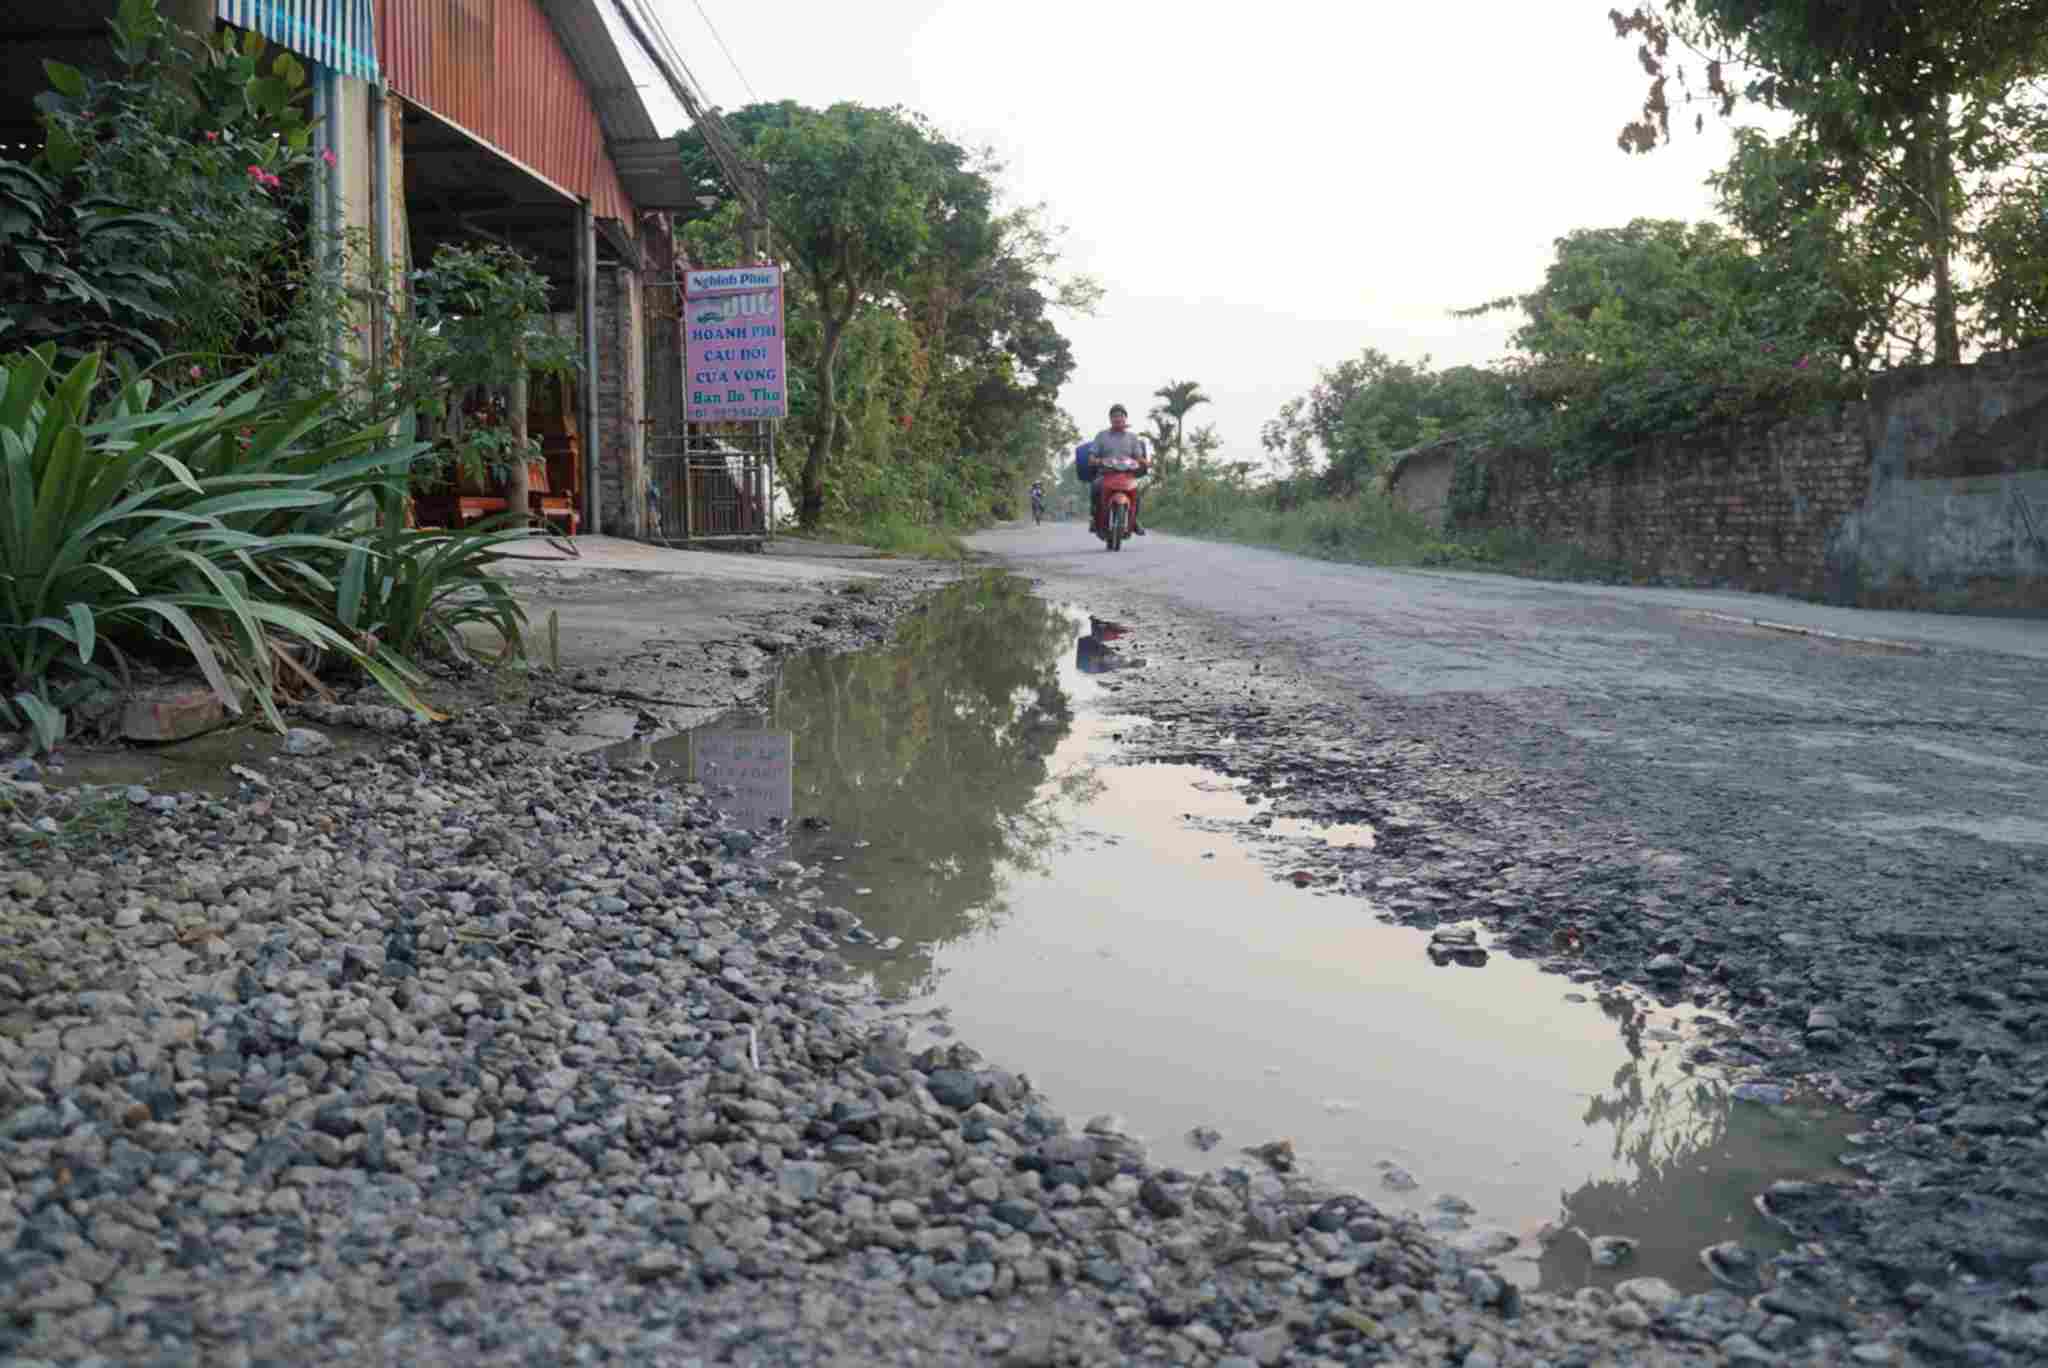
x: 719, y: 38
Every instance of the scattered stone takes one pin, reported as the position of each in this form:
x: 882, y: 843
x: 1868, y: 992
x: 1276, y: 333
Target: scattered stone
x: 304, y: 741
x: 1611, y: 1251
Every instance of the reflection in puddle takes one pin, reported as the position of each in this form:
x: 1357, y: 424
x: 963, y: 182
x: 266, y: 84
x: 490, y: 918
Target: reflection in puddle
x: 1121, y: 934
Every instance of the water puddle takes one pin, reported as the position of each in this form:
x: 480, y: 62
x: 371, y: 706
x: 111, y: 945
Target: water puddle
x: 204, y: 764
x: 1131, y: 938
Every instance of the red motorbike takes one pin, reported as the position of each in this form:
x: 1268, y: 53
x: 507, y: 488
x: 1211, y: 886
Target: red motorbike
x: 1118, y: 496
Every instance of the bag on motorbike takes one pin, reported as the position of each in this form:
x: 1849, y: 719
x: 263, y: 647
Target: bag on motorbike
x: 1084, y: 462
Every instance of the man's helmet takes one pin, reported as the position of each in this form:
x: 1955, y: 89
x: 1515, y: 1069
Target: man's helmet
x: 1115, y: 409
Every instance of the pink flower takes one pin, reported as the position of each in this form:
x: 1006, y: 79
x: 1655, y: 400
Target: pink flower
x: 195, y: 373
x: 1802, y: 363
x: 327, y: 155
x: 212, y: 135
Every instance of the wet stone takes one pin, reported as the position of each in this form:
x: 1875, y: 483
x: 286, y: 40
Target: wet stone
x: 955, y: 1088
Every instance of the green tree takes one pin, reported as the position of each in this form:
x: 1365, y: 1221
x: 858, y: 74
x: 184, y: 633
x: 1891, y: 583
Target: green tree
x: 1921, y: 114
x: 1366, y: 408
x: 851, y: 196
x: 1658, y: 328
x: 929, y: 398
x: 1179, y: 398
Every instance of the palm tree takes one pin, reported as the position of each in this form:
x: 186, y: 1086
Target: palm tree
x: 1180, y: 398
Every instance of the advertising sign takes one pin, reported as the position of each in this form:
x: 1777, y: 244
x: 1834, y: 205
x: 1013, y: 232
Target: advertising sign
x: 732, y: 330
x: 749, y: 774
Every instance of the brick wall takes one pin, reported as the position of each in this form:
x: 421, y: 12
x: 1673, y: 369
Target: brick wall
x: 1754, y: 512
x: 1932, y: 494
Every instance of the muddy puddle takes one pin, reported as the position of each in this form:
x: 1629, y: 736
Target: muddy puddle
x: 1130, y: 936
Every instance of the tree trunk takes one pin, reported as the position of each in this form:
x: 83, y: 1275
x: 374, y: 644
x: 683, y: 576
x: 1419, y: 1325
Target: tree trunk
x: 518, y: 485
x: 1948, y: 348
x: 811, y: 511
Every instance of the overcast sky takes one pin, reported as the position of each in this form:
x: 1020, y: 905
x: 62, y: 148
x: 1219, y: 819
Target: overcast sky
x: 1263, y: 190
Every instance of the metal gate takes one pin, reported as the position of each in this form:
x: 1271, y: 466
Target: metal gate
x: 712, y: 483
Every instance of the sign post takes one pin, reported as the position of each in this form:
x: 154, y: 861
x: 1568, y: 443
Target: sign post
x: 734, y: 345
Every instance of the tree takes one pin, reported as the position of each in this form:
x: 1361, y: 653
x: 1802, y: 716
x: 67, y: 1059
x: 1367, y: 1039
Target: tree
x: 850, y: 195
x: 1659, y: 328
x: 1179, y: 398
x: 1163, y: 433
x: 1919, y: 110
x: 928, y: 396
x: 1368, y: 407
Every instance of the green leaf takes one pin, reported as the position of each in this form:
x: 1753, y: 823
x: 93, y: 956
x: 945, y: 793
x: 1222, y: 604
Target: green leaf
x: 196, y: 643
x: 82, y: 624
x: 349, y: 605
x: 68, y: 80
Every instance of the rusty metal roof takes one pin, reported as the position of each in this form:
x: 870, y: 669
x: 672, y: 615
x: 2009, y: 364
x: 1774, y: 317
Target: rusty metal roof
x: 543, y: 82
x: 646, y: 159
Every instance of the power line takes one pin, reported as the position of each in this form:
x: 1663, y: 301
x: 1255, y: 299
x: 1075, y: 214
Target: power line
x: 727, y: 51
x: 646, y: 30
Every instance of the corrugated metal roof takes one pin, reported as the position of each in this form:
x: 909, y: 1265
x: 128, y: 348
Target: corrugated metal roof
x: 502, y: 71
x: 336, y: 33
x: 647, y: 160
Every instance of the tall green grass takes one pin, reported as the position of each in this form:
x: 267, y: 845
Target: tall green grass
x: 895, y: 535
x: 1366, y: 529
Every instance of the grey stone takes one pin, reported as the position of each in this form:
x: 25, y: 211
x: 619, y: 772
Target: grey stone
x: 955, y: 1088
x: 307, y: 742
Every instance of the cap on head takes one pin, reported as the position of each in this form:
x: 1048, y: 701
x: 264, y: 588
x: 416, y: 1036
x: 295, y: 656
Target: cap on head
x: 1115, y: 409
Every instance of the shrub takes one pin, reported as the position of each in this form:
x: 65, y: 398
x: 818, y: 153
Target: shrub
x: 208, y: 528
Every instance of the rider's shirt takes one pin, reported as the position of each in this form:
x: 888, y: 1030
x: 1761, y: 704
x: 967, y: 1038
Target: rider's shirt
x: 1110, y: 442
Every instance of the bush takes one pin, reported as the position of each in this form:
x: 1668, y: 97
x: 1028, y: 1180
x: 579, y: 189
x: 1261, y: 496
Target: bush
x: 166, y: 202
x: 208, y: 528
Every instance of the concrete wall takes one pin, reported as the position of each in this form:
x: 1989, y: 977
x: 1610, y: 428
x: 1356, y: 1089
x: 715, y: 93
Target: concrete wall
x: 1421, y: 481
x: 1956, y: 515
x: 1931, y: 494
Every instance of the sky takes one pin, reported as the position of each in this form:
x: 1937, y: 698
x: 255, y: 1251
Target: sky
x: 1262, y: 191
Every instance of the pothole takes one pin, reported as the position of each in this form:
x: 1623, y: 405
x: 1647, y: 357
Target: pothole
x: 1129, y: 936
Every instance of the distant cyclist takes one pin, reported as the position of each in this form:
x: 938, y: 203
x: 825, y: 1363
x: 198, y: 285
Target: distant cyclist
x: 1038, y: 501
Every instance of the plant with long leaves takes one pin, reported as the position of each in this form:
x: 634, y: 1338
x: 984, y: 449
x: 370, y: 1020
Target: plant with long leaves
x: 204, y: 527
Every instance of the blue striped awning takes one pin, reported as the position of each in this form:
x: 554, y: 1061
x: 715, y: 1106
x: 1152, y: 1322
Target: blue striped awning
x: 337, y: 33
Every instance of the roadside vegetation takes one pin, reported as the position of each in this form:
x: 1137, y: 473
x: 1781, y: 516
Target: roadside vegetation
x: 202, y: 470
x: 925, y: 353
x: 1897, y: 220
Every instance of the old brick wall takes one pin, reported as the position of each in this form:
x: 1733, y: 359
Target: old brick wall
x: 621, y: 384
x: 1933, y: 494
x: 1752, y: 512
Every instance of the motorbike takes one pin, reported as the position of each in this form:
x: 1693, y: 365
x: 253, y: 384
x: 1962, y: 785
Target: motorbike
x: 1037, y: 507
x: 1120, y: 475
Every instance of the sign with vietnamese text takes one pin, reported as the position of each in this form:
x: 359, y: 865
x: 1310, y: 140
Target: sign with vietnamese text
x: 750, y: 775
x: 733, y: 345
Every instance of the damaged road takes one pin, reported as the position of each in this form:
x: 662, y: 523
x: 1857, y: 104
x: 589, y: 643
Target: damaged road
x: 1822, y: 826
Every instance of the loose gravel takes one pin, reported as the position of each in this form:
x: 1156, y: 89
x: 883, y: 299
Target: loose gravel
x: 460, y: 1051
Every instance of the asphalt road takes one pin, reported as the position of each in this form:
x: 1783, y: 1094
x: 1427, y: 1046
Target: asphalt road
x: 1892, y: 733
x: 1835, y: 835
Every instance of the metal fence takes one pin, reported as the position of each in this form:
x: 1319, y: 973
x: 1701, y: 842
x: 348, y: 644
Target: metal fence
x: 711, y: 484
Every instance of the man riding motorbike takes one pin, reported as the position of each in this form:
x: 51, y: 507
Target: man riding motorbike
x: 1115, y: 440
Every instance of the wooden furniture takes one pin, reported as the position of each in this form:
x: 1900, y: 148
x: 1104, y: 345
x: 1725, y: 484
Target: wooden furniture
x: 555, y: 482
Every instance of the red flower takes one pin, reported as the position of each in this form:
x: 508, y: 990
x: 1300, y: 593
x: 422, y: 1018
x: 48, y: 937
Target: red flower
x: 212, y: 135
